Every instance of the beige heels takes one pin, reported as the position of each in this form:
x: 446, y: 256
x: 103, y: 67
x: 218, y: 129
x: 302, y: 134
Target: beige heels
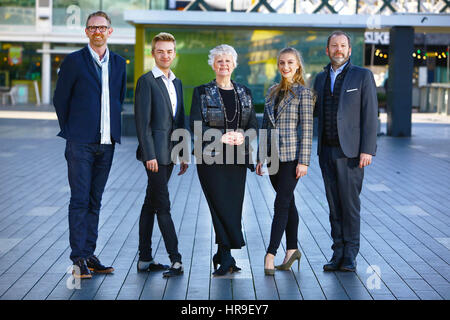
x: 268, y: 272
x: 287, y: 266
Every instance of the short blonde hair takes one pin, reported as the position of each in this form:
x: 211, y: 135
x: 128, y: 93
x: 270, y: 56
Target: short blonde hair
x: 221, y: 50
x: 163, y: 36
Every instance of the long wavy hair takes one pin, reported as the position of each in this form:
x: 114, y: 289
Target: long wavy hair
x: 298, y: 78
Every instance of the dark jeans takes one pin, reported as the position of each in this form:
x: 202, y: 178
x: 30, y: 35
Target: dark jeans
x: 343, y: 182
x: 88, y: 169
x: 285, y: 218
x: 157, y: 203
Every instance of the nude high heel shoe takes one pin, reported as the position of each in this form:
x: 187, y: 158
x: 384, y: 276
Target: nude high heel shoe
x: 268, y: 272
x: 287, y: 266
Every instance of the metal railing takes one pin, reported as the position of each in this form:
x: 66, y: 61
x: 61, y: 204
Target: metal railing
x: 369, y: 7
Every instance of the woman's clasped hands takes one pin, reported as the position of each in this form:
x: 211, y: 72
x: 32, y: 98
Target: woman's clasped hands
x: 233, y: 138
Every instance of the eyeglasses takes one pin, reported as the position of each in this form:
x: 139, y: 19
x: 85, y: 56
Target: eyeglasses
x: 93, y: 28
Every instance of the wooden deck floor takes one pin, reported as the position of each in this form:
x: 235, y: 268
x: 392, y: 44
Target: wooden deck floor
x: 405, y: 227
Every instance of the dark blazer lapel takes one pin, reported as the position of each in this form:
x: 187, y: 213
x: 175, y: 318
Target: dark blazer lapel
x: 111, y: 70
x: 323, y: 81
x: 177, y: 84
x: 344, y: 87
x: 321, y: 86
x: 163, y: 88
x: 90, y: 65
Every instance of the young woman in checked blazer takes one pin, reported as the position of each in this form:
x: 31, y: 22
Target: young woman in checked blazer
x: 289, y: 110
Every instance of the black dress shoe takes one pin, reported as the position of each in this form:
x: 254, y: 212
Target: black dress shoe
x: 216, y: 262
x: 175, y: 270
x: 158, y: 267
x: 144, y: 266
x: 348, y: 265
x: 95, y: 265
x: 235, y: 267
x: 333, y: 265
x: 227, y: 265
x: 80, y: 270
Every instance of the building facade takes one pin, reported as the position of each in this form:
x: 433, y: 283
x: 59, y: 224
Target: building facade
x: 36, y: 35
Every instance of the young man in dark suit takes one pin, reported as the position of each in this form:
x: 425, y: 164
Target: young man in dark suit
x: 347, y: 132
x: 158, y: 110
x: 88, y: 100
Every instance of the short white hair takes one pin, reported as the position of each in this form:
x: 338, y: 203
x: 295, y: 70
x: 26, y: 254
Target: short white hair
x: 223, y: 49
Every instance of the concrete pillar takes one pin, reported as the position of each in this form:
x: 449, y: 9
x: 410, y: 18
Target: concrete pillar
x: 399, y: 95
x: 46, y: 73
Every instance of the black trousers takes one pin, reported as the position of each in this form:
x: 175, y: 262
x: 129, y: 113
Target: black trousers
x: 285, y: 218
x: 157, y: 202
x: 343, y: 182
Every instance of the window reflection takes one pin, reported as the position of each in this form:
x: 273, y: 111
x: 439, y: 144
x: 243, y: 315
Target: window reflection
x: 257, y: 51
x: 13, y: 12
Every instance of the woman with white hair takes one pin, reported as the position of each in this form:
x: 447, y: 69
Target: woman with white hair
x: 224, y: 105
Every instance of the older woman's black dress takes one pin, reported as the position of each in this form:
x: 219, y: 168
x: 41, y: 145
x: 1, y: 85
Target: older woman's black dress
x: 224, y: 184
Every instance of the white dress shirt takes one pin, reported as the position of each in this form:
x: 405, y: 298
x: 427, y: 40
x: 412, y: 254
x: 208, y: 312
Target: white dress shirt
x: 105, y: 118
x: 169, y: 86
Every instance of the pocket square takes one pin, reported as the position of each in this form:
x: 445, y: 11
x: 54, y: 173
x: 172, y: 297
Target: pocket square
x: 350, y: 90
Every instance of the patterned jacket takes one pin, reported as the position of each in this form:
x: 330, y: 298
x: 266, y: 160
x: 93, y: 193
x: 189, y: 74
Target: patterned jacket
x: 207, y: 108
x: 294, y: 123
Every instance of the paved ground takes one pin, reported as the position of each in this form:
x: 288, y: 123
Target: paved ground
x: 405, y: 243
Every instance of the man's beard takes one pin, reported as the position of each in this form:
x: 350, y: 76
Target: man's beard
x: 99, y: 42
x: 339, y: 61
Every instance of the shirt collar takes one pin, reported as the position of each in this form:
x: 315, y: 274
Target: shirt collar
x: 339, y: 70
x: 96, y: 56
x: 158, y: 73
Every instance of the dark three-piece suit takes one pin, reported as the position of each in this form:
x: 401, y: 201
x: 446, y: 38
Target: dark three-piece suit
x: 347, y: 127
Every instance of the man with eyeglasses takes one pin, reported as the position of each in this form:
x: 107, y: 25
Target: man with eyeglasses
x: 88, y: 100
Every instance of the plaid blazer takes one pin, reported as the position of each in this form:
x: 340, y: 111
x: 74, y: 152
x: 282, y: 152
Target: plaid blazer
x: 294, y: 123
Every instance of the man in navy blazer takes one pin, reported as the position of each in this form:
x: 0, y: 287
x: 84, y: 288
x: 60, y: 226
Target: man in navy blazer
x: 347, y: 111
x: 88, y: 100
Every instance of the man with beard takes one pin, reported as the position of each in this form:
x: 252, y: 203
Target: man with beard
x: 88, y: 101
x: 347, y: 130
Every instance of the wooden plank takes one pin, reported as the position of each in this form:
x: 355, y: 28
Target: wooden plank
x: 404, y: 226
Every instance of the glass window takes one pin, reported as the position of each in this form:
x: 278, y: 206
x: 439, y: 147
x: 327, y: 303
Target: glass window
x: 20, y: 61
x: 13, y: 12
x: 126, y: 52
x: 20, y: 64
x: 257, y: 52
x: 115, y: 9
x: 73, y: 14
